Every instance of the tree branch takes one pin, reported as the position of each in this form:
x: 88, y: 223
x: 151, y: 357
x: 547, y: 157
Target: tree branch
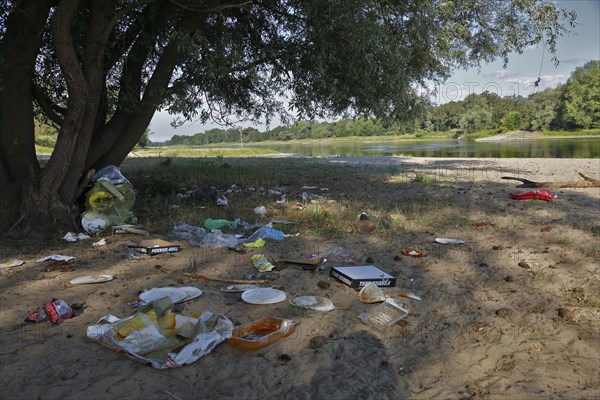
x: 50, y: 109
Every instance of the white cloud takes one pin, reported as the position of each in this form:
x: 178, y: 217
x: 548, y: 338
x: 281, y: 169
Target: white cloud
x: 499, y: 74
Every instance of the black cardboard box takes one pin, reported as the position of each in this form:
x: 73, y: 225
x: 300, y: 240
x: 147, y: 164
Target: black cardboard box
x: 155, y: 246
x: 357, y: 277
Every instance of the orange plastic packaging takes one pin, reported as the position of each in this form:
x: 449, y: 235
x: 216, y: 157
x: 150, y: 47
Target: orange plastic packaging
x: 261, y: 333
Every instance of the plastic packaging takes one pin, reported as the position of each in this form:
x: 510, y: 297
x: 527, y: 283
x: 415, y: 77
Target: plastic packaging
x: 55, y: 311
x: 336, y: 254
x: 261, y: 263
x: 261, y: 333
x: 534, y: 195
x: 384, y: 315
x: 211, y: 224
x: 269, y: 276
x: 217, y: 239
x: 371, y: 293
x: 109, y: 202
x: 155, y: 337
x: 266, y: 233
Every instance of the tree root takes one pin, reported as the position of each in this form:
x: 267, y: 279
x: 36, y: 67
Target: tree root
x: 588, y: 182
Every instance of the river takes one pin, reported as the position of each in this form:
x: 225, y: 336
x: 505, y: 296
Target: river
x: 569, y: 147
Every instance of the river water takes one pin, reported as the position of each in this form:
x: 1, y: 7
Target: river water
x: 588, y: 147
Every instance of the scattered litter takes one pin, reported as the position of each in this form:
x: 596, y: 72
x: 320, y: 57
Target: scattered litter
x: 155, y: 246
x: 176, y: 294
x: 136, y: 229
x: 88, y: 279
x: 314, y: 303
x: 262, y: 276
x: 165, y: 341
x: 258, y: 243
x: 261, y: 211
x: 211, y: 224
x: 266, y: 233
x: 236, y: 281
x: 263, y: 296
x: 310, y: 262
x: 281, y: 200
x: 54, y: 311
x: 233, y: 189
x: 217, y: 239
x: 449, y: 241
x: 101, y: 242
x: 306, y: 187
x: 62, y: 266
x: 384, y: 315
x: 371, y: 293
x: 336, y: 254
x: 359, y: 276
x: 261, y: 333
x: 109, y: 202
x: 55, y: 257
x: 208, y: 194
x: 410, y: 295
x: 412, y: 252
x: 237, y: 288
x: 261, y: 263
x: 275, y: 192
x: 222, y: 201
x: 534, y: 195
x: 11, y: 263
x: 366, y: 223
x: 73, y: 237
x: 481, y: 224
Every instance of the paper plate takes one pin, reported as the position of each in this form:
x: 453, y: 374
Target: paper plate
x: 177, y: 295
x: 263, y: 296
x: 315, y: 303
x: 83, y: 280
x: 449, y: 241
x: 238, y: 288
x: 191, y: 292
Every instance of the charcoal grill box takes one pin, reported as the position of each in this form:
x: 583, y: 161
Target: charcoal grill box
x: 357, y: 277
x: 155, y: 246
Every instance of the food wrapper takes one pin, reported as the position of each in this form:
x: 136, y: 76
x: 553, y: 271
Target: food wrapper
x: 261, y: 263
x: 167, y: 342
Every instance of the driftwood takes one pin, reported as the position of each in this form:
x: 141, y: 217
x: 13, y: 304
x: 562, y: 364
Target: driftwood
x: 236, y: 281
x: 588, y: 182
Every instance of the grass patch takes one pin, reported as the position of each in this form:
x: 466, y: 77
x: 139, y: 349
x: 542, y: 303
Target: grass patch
x: 582, y: 132
x: 203, y: 152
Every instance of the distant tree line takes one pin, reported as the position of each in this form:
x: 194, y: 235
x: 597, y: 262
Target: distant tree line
x: 572, y: 106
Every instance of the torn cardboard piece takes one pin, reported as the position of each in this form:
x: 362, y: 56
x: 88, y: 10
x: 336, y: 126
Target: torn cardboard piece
x: 155, y: 246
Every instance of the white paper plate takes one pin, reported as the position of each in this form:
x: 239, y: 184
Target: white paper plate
x: 191, y: 291
x: 449, y: 241
x: 177, y: 295
x: 83, y: 280
x: 315, y: 303
x: 238, y: 288
x: 263, y: 296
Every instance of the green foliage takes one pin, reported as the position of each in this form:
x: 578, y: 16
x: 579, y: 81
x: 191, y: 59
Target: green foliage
x: 580, y: 101
x: 145, y: 139
x: 511, y: 121
x: 475, y: 120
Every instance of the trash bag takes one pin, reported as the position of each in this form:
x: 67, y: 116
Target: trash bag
x: 109, y: 202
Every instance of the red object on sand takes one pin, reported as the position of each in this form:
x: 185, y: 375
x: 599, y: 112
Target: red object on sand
x: 535, y: 195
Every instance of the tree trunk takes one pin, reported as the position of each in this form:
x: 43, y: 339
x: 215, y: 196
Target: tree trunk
x: 19, y: 48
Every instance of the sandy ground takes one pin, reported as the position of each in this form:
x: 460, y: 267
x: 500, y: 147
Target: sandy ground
x: 511, y: 314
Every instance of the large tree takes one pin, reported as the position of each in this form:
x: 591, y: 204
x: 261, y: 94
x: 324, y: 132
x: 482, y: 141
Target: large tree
x: 100, y: 68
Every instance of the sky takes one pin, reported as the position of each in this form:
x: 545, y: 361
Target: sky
x: 517, y: 79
